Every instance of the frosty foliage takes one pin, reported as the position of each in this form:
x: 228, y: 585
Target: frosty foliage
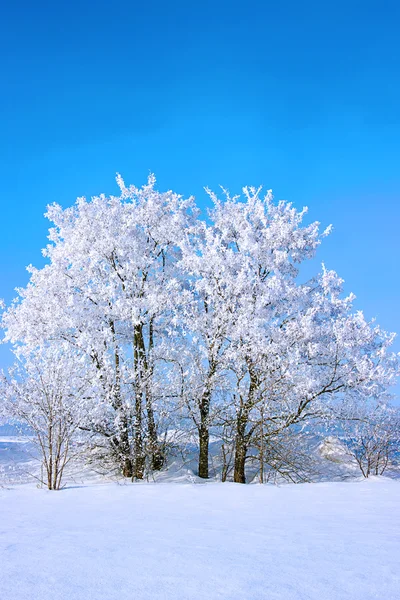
x: 177, y: 323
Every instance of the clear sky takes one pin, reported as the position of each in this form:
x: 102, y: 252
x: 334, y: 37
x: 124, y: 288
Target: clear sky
x: 302, y: 97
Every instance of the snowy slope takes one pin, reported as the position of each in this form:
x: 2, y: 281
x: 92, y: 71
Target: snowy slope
x: 169, y: 541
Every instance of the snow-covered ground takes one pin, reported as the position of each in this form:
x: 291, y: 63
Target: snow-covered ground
x: 171, y: 541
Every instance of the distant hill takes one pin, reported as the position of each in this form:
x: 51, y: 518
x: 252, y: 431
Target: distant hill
x: 8, y: 429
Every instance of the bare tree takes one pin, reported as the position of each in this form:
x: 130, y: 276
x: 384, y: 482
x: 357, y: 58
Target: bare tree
x: 44, y: 392
x: 371, y: 435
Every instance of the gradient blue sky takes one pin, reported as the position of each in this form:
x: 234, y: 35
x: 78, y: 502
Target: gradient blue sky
x: 302, y: 97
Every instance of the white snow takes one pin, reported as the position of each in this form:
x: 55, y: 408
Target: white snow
x: 174, y: 541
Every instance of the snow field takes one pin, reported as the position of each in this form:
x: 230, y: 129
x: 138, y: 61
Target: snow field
x: 325, y: 541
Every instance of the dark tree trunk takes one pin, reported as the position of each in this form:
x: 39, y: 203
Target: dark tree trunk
x: 121, y: 440
x: 157, y: 456
x: 204, y: 439
x: 127, y: 469
x: 239, y: 475
x: 122, y: 450
x: 125, y: 450
x: 242, y: 436
x: 139, y: 463
x: 204, y: 428
x: 145, y: 372
x: 204, y: 435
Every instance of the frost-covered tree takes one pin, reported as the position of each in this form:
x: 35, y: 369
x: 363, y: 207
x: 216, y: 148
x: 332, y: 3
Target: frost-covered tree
x: 45, y: 391
x: 110, y: 291
x: 371, y: 433
x: 206, y: 320
x: 173, y: 317
x: 293, y: 348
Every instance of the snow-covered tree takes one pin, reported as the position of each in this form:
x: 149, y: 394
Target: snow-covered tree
x: 110, y: 291
x: 206, y: 320
x: 293, y: 348
x: 173, y: 317
x: 45, y: 390
x: 371, y: 434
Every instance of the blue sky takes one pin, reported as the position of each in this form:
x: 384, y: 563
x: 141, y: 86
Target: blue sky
x: 301, y: 97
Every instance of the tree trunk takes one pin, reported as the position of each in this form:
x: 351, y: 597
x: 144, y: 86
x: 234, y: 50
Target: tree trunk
x: 50, y: 459
x: 138, y: 471
x: 261, y: 446
x: 144, y: 374
x: 126, y: 461
x: 204, y: 439
x: 241, y: 444
x: 204, y: 429
x: 122, y: 441
x: 204, y: 435
x: 242, y: 419
x: 224, y: 472
x: 157, y: 457
x: 239, y: 475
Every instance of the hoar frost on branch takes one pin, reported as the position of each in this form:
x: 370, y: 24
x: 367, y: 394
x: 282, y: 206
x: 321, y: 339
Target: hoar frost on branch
x: 182, y: 322
x: 370, y: 433
x: 48, y: 389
